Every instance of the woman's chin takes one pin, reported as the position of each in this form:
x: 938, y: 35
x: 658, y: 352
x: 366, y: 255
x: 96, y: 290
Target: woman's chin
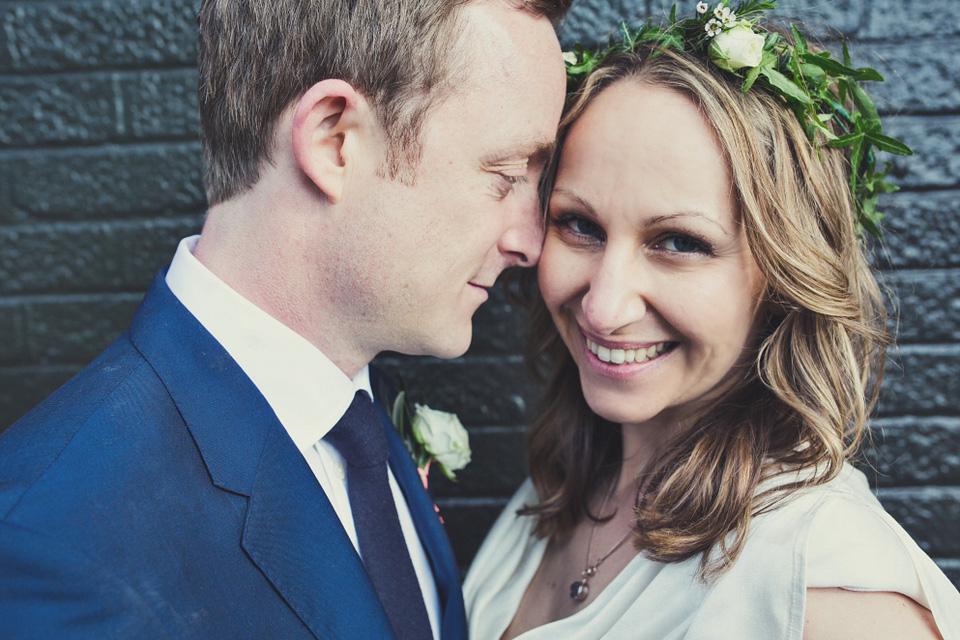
x: 617, y: 409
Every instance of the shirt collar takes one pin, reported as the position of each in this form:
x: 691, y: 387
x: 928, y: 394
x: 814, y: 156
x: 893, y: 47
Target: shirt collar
x: 307, y: 391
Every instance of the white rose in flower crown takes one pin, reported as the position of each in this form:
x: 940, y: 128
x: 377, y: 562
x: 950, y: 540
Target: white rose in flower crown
x: 442, y: 435
x: 736, y: 48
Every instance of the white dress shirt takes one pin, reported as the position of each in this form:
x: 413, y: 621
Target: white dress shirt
x: 308, y: 393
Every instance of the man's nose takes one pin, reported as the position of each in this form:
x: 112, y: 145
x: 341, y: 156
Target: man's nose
x: 522, y: 240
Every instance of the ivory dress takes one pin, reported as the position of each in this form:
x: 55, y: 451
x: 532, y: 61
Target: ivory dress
x: 835, y: 535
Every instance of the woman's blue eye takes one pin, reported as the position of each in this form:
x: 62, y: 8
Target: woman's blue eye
x: 583, y: 227
x: 684, y: 244
x: 579, y: 226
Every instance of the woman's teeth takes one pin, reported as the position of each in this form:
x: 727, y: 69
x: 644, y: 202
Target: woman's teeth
x: 626, y: 356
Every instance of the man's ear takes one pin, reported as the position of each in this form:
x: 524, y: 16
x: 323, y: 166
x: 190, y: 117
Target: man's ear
x: 330, y: 127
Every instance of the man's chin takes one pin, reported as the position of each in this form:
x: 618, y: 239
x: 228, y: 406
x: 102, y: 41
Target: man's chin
x: 447, y: 345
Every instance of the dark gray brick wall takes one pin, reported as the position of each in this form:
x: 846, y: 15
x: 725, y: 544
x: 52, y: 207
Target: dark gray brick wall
x: 100, y: 177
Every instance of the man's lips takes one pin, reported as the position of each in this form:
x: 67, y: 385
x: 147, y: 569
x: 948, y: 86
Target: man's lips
x: 481, y: 288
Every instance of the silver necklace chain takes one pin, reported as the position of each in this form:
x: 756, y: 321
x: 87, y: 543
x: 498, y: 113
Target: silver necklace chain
x: 580, y: 589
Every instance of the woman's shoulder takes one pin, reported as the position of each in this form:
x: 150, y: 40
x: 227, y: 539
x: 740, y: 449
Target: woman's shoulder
x: 849, y: 541
x: 844, y: 535
x: 833, y: 535
x: 851, y: 529
x: 848, y: 492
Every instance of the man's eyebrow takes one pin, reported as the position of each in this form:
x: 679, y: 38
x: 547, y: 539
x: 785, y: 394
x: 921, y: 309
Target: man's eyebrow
x: 536, y: 150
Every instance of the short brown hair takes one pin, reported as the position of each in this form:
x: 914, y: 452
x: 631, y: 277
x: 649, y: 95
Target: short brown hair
x: 817, y: 364
x: 256, y: 57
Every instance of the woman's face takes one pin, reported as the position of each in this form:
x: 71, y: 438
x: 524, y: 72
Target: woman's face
x: 645, y: 269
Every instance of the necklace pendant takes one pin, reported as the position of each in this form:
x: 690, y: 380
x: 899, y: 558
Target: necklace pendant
x: 579, y: 590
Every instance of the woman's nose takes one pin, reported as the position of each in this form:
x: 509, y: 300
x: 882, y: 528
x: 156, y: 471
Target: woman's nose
x: 615, y: 297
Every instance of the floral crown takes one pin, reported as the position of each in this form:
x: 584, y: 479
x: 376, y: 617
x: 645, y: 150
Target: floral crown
x: 817, y: 88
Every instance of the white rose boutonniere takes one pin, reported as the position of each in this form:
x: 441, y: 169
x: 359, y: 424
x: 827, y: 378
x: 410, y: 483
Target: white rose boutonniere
x: 432, y: 435
x: 736, y: 48
x: 444, y: 438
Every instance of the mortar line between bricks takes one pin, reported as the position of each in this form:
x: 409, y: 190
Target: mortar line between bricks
x: 79, y: 225
x: 920, y: 347
x: 950, y: 490
x: 891, y: 421
x: 929, y: 188
x: 140, y: 217
x: 117, y: 143
x: 46, y: 72
x: 478, y: 501
x: 928, y: 271
x: 71, y: 298
x: 39, y: 368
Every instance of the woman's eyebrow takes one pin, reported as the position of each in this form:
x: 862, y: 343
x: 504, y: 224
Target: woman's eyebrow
x: 583, y: 204
x: 687, y: 214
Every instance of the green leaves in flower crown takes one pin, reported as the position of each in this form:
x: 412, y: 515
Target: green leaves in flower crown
x: 824, y: 93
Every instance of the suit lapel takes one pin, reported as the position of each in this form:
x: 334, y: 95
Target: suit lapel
x: 291, y: 531
x: 432, y: 534
x: 295, y: 537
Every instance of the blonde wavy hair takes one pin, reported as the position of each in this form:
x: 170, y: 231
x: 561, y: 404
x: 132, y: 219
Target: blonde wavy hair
x: 800, y: 410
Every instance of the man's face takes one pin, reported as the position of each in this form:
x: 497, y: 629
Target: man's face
x: 427, y: 250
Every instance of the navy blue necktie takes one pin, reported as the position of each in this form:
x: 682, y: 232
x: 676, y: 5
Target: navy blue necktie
x: 359, y: 438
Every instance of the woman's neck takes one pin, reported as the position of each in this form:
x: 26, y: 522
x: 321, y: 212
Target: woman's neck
x: 643, y: 444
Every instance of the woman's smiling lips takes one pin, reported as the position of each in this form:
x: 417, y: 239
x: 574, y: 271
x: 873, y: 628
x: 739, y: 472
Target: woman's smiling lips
x: 623, y: 361
x: 628, y: 356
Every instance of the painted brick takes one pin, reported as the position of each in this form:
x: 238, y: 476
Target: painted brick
x: 922, y: 380
x: 822, y: 19
x: 14, y: 347
x: 7, y: 214
x: 481, y: 390
x: 591, y: 21
x: 79, y: 258
x: 929, y: 305
x: 921, y: 230
x: 57, y: 109
x: 931, y: 515
x: 498, y: 326
x: 826, y: 19
x: 950, y: 568
x: 467, y: 522
x: 160, y: 104
x: 22, y: 388
x: 898, y: 19
x: 109, y: 181
x: 936, y: 145
x: 911, y: 451
x: 496, y: 468
x: 919, y: 75
x: 81, y: 35
x: 72, y: 329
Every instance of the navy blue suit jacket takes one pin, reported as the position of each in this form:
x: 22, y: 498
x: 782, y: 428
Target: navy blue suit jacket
x: 156, y: 495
